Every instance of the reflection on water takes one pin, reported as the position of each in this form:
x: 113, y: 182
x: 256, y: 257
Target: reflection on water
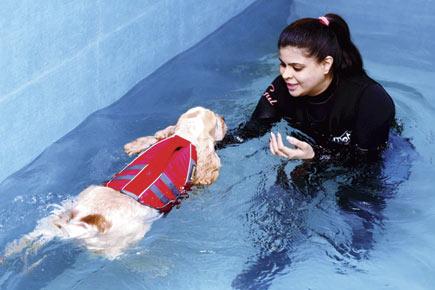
x: 263, y: 220
x: 349, y: 199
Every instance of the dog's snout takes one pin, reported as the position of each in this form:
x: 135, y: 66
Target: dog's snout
x: 220, y: 117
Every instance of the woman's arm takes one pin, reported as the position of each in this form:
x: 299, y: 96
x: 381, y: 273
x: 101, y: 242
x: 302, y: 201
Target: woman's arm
x: 374, y: 119
x: 264, y: 116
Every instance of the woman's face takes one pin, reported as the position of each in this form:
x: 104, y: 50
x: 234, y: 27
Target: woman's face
x: 304, y: 75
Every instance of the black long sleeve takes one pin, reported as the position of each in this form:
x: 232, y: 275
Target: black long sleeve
x: 266, y: 113
x: 351, y: 118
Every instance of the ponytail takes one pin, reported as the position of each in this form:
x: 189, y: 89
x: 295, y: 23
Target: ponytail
x: 323, y: 36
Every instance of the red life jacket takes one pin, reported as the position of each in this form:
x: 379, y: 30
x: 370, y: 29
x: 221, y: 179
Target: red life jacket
x: 160, y: 176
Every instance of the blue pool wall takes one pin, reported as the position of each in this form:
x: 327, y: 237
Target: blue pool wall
x: 396, y: 40
x: 391, y: 33
x: 62, y: 60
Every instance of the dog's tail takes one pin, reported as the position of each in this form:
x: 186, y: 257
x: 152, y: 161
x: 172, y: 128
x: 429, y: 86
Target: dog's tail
x: 45, y: 231
x: 42, y: 234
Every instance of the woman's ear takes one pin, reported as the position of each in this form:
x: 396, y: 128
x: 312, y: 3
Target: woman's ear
x: 208, y: 164
x: 327, y: 64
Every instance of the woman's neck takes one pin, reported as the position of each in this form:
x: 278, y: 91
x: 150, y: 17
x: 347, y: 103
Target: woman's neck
x: 322, y: 86
x: 325, y: 95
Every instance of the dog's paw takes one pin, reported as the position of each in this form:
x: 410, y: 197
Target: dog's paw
x: 165, y: 133
x: 162, y: 134
x: 139, y: 145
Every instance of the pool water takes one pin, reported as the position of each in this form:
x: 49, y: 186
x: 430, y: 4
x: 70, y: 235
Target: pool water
x: 266, y: 223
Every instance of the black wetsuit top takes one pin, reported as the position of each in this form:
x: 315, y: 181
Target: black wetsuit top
x: 353, y: 112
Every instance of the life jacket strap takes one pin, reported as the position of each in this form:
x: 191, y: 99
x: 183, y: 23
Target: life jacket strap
x: 168, y: 182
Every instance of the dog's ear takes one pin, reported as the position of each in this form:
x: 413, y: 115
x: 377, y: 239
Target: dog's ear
x: 208, y: 164
x: 98, y: 221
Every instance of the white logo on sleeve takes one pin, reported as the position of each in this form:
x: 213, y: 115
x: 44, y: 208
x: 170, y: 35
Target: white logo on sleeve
x: 344, y: 139
x: 267, y: 94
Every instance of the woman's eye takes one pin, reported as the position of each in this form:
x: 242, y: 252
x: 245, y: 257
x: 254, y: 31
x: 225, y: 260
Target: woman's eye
x: 297, y: 68
x: 282, y: 64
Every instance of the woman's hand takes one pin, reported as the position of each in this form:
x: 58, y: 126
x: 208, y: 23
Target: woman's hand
x: 301, y: 150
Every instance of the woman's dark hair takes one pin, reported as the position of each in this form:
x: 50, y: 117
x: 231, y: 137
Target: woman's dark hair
x: 330, y: 36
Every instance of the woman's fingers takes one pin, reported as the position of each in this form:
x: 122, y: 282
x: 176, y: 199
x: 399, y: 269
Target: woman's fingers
x: 277, y: 147
x: 271, y: 147
x: 302, y: 149
x: 274, y: 148
x: 300, y: 144
x: 274, y: 145
x: 287, y: 152
x: 306, y: 151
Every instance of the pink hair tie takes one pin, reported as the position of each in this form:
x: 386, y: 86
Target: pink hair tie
x: 324, y: 20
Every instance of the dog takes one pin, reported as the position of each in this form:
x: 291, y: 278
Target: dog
x: 107, y: 219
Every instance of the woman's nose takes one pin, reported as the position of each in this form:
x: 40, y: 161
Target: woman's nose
x: 287, y: 73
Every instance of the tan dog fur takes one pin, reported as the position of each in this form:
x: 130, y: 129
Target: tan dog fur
x: 107, y: 221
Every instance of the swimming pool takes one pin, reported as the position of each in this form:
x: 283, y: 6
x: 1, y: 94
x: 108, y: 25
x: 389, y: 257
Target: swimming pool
x: 266, y: 223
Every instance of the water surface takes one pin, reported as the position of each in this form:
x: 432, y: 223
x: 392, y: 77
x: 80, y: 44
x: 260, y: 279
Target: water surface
x: 266, y: 223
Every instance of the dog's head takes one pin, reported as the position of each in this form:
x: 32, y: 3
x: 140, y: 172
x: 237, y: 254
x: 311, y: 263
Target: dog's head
x: 200, y: 124
x: 203, y: 128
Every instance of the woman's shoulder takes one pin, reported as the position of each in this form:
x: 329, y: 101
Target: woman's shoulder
x: 374, y: 97
x: 360, y: 80
x: 369, y: 87
x: 363, y: 94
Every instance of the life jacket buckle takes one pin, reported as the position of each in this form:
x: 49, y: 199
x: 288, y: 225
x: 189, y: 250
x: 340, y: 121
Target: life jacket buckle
x: 183, y: 195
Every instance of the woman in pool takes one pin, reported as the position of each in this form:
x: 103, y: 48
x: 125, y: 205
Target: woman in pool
x: 324, y: 92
